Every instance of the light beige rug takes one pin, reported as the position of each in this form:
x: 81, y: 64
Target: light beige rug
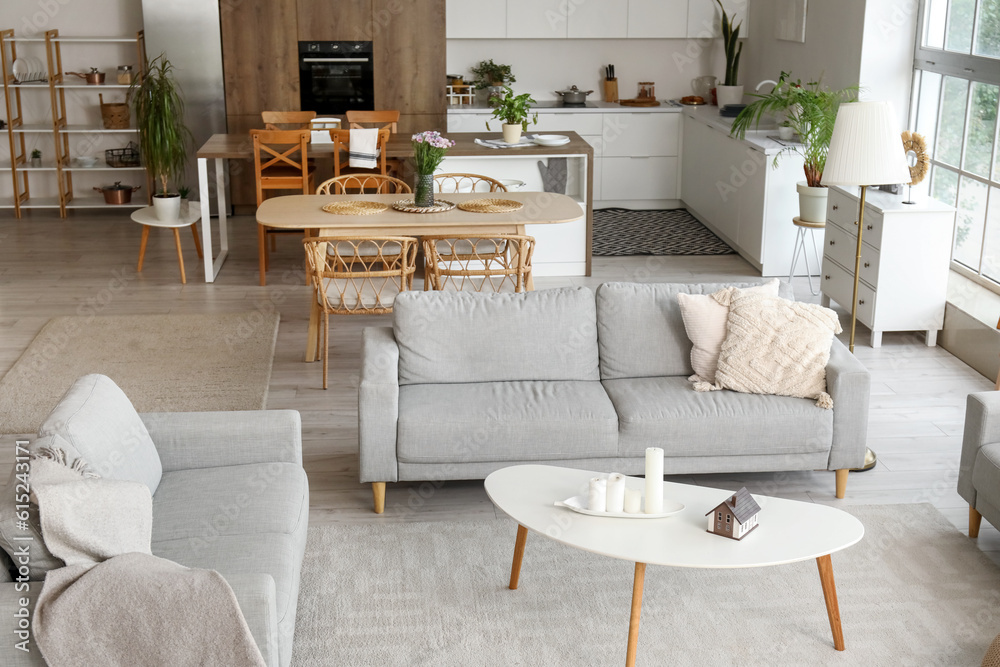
x: 914, y: 591
x: 164, y: 363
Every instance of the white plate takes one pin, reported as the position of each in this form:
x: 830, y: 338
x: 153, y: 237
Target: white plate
x: 21, y: 69
x: 551, y: 139
x: 579, y: 504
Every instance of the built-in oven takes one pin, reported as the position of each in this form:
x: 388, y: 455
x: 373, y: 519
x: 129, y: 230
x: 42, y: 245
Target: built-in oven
x: 335, y: 77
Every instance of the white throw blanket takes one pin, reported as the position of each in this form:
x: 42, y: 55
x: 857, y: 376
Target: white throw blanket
x: 363, y: 152
x: 115, y: 603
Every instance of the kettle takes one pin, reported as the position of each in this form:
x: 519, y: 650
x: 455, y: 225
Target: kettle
x: 94, y: 77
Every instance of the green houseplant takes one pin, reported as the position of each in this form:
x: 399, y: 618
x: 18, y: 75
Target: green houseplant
x: 163, y: 138
x: 515, y: 113
x: 810, y: 110
x: 730, y: 92
x: 492, y: 77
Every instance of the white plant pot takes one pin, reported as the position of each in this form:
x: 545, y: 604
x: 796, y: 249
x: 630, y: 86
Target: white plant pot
x: 512, y: 133
x: 812, y: 202
x: 729, y: 95
x: 785, y: 133
x: 167, y: 209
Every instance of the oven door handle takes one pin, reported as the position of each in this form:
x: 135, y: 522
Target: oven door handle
x: 335, y: 60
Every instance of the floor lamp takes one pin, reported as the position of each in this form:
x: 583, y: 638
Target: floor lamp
x: 866, y: 148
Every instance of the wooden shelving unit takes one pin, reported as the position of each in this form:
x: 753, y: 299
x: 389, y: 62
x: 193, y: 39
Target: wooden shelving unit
x: 60, y: 128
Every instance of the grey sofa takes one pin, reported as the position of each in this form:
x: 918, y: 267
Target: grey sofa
x: 465, y: 384
x: 229, y: 494
x: 979, y: 468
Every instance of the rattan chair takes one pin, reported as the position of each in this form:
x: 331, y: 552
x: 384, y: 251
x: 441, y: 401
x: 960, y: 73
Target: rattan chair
x: 500, y: 263
x: 354, y: 184
x: 467, y: 183
x: 356, y: 276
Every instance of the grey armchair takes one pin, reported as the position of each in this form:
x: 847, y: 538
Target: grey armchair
x: 979, y: 469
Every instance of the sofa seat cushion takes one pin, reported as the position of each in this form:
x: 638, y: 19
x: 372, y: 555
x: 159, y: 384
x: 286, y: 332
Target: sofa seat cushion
x: 666, y: 412
x: 203, y: 504
x: 986, y: 473
x: 505, y: 421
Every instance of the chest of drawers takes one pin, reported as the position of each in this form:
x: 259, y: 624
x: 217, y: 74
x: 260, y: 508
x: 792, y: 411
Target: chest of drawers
x: 905, y: 259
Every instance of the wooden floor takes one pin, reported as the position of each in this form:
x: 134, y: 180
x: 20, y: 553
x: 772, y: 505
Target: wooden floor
x: 85, y: 265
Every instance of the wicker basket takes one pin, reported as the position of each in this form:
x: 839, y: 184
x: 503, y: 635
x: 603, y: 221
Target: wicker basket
x: 123, y: 157
x: 114, y: 115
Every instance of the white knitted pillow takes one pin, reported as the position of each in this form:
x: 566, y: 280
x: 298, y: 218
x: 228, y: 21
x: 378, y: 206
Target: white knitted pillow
x: 777, y: 346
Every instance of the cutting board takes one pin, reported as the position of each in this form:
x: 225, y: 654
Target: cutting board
x: 640, y: 102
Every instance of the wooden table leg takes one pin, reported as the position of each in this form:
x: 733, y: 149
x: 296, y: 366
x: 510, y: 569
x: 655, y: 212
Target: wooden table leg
x: 830, y: 595
x: 180, y: 254
x: 633, y: 622
x: 197, y: 242
x: 142, y: 246
x: 515, y: 568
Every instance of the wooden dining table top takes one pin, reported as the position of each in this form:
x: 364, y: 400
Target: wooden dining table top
x: 306, y: 212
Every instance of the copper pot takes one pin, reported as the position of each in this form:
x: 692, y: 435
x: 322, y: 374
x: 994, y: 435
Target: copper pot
x: 117, y: 193
x: 94, y: 77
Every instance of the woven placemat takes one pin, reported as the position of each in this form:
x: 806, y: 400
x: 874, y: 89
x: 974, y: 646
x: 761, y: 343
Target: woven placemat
x: 491, y: 206
x: 355, y: 207
x: 410, y: 206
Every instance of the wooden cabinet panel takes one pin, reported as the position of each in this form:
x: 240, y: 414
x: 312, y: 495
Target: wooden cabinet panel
x: 260, y: 56
x: 410, y: 57
x: 599, y: 19
x: 411, y: 123
x: 341, y: 21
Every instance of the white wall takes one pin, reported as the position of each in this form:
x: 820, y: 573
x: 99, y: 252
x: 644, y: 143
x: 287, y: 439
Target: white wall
x: 887, y: 54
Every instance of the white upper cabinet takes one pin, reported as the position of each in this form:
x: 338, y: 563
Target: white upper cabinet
x: 537, y: 19
x: 704, y: 18
x: 598, y: 19
x: 657, y: 18
x: 476, y: 19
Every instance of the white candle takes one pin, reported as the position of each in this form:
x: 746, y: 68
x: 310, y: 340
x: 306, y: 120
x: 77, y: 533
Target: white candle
x: 633, y: 501
x: 616, y: 492
x: 654, y: 480
x: 596, y: 494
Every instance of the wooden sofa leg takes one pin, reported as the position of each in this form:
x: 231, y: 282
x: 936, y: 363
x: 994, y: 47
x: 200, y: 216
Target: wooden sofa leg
x: 975, y: 518
x: 378, y: 494
x: 841, y: 482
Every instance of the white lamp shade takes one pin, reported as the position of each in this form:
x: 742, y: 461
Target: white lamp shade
x: 866, y: 147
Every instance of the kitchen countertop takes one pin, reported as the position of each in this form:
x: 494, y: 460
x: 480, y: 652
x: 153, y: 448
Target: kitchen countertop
x: 599, y: 107
x: 756, y: 139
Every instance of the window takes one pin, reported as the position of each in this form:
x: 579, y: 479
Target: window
x: 956, y: 94
x: 728, y: 518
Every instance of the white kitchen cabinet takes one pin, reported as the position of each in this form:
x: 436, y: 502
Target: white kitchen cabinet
x: 637, y: 178
x: 584, y: 124
x: 598, y: 19
x: 641, y: 134
x: 475, y: 19
x: 704, y: 19
x: 905, y: 260
x: 537, y: 19
x: 657, y: 18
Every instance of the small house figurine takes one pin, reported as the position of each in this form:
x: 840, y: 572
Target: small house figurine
x: 735, y: 517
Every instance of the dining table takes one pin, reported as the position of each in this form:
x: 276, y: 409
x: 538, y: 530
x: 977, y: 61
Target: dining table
x: 306, y: 212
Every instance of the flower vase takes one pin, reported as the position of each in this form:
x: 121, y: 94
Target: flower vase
x: 423, y: 193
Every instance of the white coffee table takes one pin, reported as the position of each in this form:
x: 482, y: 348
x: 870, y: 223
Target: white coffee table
x: 789, y: 531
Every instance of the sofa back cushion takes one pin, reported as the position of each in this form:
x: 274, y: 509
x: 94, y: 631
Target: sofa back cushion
x: 452, y: 337
x: 96, y: 417
x: 640, y: 329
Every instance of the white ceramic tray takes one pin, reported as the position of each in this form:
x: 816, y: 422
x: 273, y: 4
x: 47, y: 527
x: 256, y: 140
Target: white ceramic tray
x: 579, y: 504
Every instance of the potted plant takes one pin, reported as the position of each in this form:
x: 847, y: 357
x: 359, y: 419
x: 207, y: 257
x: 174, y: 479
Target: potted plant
x: 163, y: 138
x: 515, y: 112
x: 492, y: 77
x: 36, y: 158
x: 429, y: 149
x: 729, y: 92
x: 810, y: 111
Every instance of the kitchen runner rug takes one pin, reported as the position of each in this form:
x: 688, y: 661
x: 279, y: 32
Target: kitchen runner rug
x: 163, y: 363
x: 914, y: 591
x: 620, y: 232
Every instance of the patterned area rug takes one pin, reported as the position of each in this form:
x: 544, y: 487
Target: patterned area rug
x: 620, y: 232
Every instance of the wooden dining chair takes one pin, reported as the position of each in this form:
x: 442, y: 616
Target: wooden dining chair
x: 499, y: 263
x: 287, y: 120
x: 384, y: 120
x: 355, y: 276
x: 342, y: 149
x: 281, y: 162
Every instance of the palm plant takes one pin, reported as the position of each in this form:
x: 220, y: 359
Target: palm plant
x: 811, y: 112
x: 733, y: 46
x: 159, y: 112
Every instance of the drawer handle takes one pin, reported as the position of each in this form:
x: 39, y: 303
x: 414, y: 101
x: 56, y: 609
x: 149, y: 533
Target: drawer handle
x: 833, y: 243
x: 870, y: 228
x: 867, y: 264
x: 826, y: 277
x: 835, y: 207
x: 861, y: 302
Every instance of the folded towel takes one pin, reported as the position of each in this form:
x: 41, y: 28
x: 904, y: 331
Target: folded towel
x: 364, y: 149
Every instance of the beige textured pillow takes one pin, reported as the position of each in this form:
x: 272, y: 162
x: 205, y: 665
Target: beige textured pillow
x: 705, y: 323
x: 777, y: 346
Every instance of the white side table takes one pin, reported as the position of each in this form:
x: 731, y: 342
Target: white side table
x: 147, y: 218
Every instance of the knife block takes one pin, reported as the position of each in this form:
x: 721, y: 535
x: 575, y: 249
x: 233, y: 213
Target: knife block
x: 611, y: 90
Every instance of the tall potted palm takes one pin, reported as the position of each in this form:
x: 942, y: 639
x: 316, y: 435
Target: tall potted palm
x: 810, y: 110
x: 163, y: 138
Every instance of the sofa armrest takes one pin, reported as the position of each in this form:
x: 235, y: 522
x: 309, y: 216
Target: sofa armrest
x: 256, y: 595
x: 378, y: 405
x: 12, y: 614
x: 982, y: 427
x: 187, y: 440
x: 849, y: 384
